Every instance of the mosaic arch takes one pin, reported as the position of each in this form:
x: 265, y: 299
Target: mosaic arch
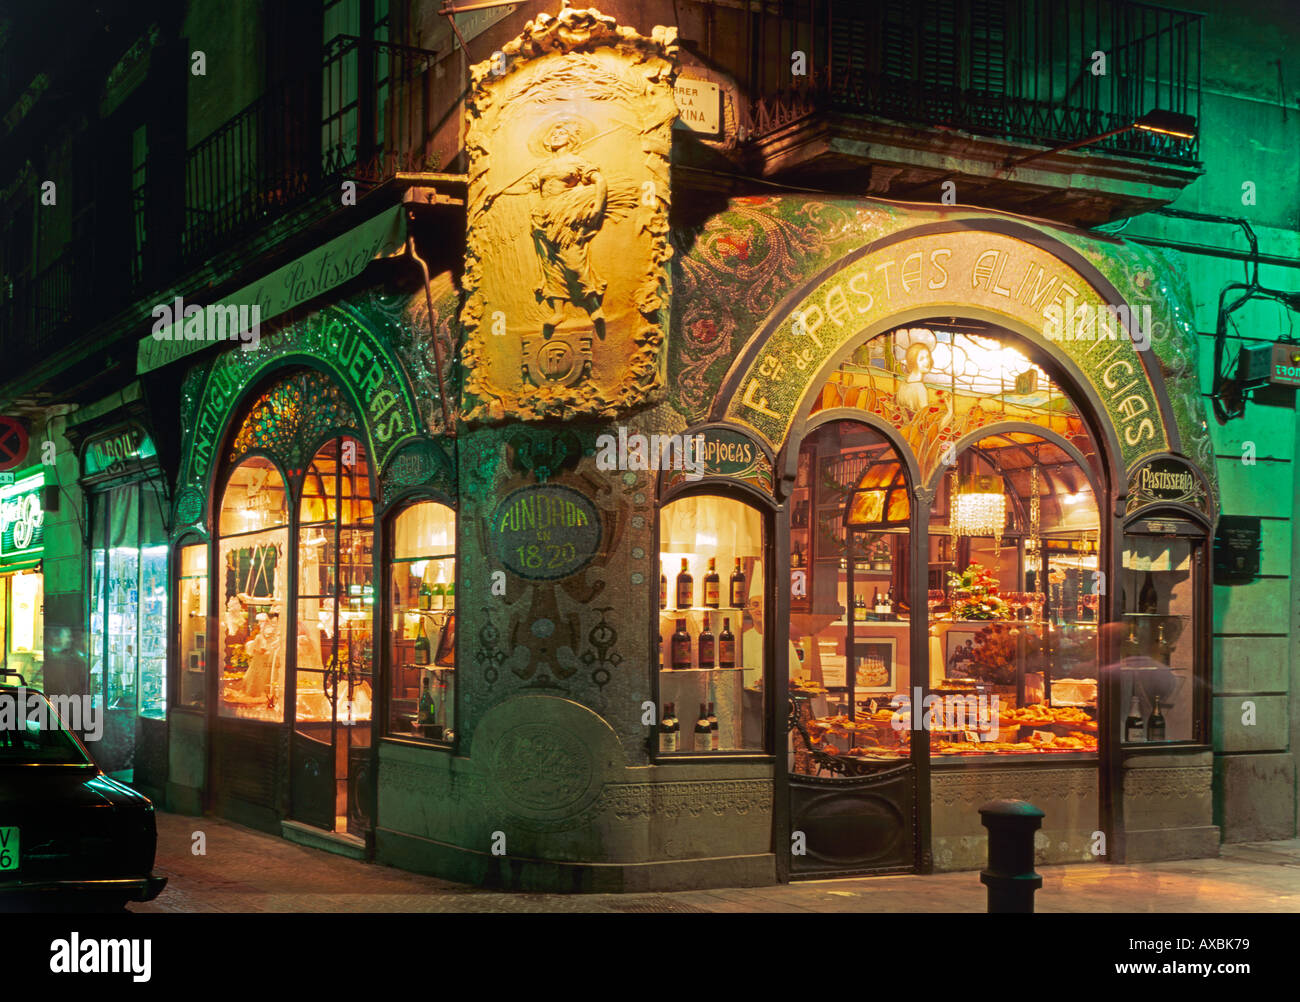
x: 999, y: 271
x: 368, y: 375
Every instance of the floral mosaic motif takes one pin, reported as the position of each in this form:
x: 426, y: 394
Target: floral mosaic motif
x: 488, y: 655
x: 289, y: 419
x: 766, y: 245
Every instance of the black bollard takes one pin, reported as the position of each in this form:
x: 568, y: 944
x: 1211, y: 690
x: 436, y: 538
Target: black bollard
x: 1010, y: 875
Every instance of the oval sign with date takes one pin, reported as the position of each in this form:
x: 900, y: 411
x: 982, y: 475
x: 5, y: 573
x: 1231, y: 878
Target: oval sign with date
x: 545, y: 533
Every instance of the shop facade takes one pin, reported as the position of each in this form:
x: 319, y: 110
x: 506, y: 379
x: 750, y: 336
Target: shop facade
x: 761, y: 548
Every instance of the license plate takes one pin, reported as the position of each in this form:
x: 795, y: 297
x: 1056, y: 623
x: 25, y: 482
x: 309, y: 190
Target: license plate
x: 8, y: 848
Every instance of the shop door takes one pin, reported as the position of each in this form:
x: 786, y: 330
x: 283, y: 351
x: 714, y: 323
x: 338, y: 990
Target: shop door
x: 853, y: 783
x: 330, y: 745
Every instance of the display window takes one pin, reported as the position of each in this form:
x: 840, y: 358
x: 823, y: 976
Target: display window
x: 252, y: 544
x: 1014, y: 597
x: 128, y: 601
x: 1160, y: 682
x: 713, y: 625
x: 192, y: 620
x: 422, y: 634
x: 23, y: 596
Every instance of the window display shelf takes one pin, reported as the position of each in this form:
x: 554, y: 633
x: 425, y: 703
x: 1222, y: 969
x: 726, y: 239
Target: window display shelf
x: 721, y: 610
x: 1156, y: 615
x: 685, y: 671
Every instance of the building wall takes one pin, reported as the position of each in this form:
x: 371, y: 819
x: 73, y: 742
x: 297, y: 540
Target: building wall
x: 1249, y: 135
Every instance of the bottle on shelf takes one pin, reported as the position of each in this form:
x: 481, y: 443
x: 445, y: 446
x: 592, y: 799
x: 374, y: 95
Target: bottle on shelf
x: 712, y: 587
x: 1156, y: 723
x: 1134, y: 728
x: 425, y: 709
x: 714, y: 736
x: 450, y: 602
x: 876, y: 602
x: 685, y: 587
x: 1147, y: 599
x: 726, y: 646
x: 703, y: 734
x: 1164, y: 649
x: 663, y: 590
x: 737, y: 587
x: 889, y: 604
x: 423, y: 654
x: 796, y: 558
x: 669, y: 730
x: 681, y: 647
x: 707, y: 646
x: 426, y: 593
x: 438, y: 600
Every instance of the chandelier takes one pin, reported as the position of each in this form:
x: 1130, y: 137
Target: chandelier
x: 979, y: 506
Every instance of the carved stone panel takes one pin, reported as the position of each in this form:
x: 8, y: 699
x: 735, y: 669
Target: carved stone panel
x: 568, y: 137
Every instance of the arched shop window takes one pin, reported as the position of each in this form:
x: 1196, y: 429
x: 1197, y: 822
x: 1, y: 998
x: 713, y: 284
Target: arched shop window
x: 713, y: 626
x: 253, y: 538
x: 422, y: 634
x: 1011, y: 549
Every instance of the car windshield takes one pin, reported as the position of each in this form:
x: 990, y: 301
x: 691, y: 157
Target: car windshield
x: 31, y: 731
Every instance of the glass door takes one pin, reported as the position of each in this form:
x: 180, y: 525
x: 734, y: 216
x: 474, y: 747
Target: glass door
x: 852, y: 780
x: 335, y: 650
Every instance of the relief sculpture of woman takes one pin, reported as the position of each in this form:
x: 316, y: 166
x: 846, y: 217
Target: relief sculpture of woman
x: 570, y: 210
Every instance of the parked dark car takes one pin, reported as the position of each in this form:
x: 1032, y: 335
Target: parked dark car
x: 70, y: 836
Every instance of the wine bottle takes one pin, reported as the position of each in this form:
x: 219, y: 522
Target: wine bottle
x: 663, y: 590
x: 681, y: 647
x: 889, y: 604
x: 1134, y: 729
x: 425, y: 710
x: 668, y: 730
x: 438, y: 598
x: 706, y: 646
x: 422, y: 651
x: 1147, y: 600
x: 426, y: 594
x: 714, y: 742
x: 712, y: 587
x: 703, y: 734
x: 726, y: 646
x: 737, y: 587
x: 1164, y: 650
x: 1156, y: 723
x: 685, y: 587
x: 876, y: 605
x: 450, y: 592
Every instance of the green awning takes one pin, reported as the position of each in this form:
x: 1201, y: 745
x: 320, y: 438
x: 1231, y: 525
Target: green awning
x: 328, y: 266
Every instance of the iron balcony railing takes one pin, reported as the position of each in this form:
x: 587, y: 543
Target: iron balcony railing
x: 368, y: 114
x: 33, y: 310
x: 1050, y: 72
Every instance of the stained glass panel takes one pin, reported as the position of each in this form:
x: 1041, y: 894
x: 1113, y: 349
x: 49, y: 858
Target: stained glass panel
x: 292, y: 416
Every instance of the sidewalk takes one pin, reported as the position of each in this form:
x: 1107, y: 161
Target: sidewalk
x: 247, y: 871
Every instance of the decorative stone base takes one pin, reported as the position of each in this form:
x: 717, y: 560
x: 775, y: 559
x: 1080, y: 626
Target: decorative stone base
x: 314, y: 838
x: 1171, y: 843
x: 510, y: 873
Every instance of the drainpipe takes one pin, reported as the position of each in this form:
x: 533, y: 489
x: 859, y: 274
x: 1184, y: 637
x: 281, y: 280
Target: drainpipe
x: 448, y: 428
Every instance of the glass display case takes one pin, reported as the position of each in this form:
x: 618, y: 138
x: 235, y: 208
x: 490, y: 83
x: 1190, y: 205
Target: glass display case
x: 711, y: 626
x: 422, y: 635
x: 192, y: 631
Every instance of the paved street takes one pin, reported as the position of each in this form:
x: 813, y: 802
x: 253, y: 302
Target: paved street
x: 247, y: 871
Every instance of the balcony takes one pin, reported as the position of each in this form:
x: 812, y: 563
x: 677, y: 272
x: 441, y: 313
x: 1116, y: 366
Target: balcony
x: 367, y: 116
x: 990, y: 82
